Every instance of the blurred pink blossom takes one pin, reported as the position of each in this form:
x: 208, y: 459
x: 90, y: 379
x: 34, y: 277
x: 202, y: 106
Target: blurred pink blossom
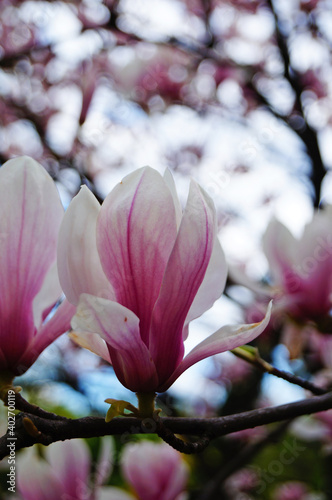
x: 292, y: 490
x: 155, y: 471
x: 65, y: 471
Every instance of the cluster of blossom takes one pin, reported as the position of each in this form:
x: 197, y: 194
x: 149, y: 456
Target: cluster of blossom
x: 153, y: 470
x: 300, y: 285
x: 135, y: 272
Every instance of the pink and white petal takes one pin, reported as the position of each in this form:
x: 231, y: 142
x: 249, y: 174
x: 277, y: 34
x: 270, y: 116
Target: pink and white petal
x: 79, y: 265
x: 58, y: 324
x: 70, y: 461
x: 93, y: 342
x: 119, y: 327
x: 105, y: 461
x: 168, y: 177
x: 212, y: 285
x: 226, y: 338
x: 155, y: 470
x: 30, y: 203
x: 184, y: 275
x: 280, y: 249
x: 47, y: 296
x: 35, y: 478
x: 113, y: 493
x: 136, y: 230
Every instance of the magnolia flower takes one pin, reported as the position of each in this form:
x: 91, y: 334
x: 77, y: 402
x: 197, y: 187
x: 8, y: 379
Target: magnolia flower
x: 155, y: 471
x: 30, y: 217
x: 301, y: 269
x: 65, y: 471
x: 139, y: 270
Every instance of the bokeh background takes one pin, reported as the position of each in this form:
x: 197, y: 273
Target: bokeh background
x: 237, y: 95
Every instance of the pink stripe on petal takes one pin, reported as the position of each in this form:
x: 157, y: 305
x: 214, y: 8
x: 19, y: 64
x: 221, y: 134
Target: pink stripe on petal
x: 136, y: 230
x: 183, y: 277
x: 226, y: 338
x: 119, y: 327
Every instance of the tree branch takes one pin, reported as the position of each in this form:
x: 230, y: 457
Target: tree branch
x: 31, y: 429
x: 253, y: 357
x: 306, y: 133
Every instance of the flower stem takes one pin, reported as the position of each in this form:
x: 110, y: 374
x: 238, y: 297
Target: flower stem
x: 6, y: 383
x: 146, y: 402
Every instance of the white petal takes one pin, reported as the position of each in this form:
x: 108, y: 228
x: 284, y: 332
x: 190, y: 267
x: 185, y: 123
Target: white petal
x: 212, y: 285
x: 79, y: 265
x: 168, y: 177
x: 226, y: 338
x: 93, y: 342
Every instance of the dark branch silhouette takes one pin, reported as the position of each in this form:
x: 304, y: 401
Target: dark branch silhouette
x: 32, y: 428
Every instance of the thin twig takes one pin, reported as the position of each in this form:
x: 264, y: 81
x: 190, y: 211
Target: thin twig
x: 254, y: 358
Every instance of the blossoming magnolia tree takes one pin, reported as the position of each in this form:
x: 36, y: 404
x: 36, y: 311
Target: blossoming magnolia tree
x: 135, y: 271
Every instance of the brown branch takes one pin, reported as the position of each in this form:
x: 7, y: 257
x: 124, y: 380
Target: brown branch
x: 306, y: 133
x: 254, y: 358
x: 31, y: 429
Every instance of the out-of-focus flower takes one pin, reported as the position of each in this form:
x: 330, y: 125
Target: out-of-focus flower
x: 30, y: 217
x: 140, y: 271
x: 65, y: 472
x: 301, y: 280
x: 292, y: 490
x: 301, y: 268
x: 245, y: 481
x: 155, y: 471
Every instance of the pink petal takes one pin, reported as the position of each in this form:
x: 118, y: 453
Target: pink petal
x: 70, y: 462
x: 136, y: 230
x: 31, y: 214
x: 58, y: 324
x: 155, y: 470
x: 119, y: 327
x: 79, y: 265
x: 226, y: 338
x: 35, y: 478
x: 183, y: 277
